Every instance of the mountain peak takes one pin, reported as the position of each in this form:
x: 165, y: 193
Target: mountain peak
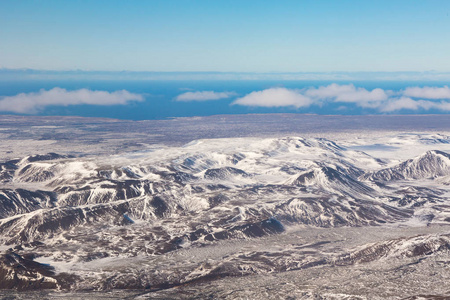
x: 431, y: 164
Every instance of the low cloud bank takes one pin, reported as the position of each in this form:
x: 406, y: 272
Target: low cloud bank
x: 275, y: 97
x: 204, y: 96
x: 29, y: 103
x: 411, y: 98
x: 408, y: 103
x: 346, y: 93
x: 385, y: 101
x: 428, y: 92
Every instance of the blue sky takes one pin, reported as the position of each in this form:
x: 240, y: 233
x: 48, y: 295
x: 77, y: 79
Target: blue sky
x: 226, y: 36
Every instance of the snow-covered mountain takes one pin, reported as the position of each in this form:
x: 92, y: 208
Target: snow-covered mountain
x: 62, y: 216
x: 431, y: 164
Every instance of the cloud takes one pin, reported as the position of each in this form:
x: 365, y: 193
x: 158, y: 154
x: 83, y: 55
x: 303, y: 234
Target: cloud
x: 275, y: 97
x: 347, y: 93
x: 411, y: 98
x: 428, y: 92
x: 204, y: 96
x: 406, y: 103
x: 30, y: 103
x: 330, y: 91
x: 443, y: 106
x: 378, y: 99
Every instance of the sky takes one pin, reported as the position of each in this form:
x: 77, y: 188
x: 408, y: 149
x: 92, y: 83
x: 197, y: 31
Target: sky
x: 226, y: 36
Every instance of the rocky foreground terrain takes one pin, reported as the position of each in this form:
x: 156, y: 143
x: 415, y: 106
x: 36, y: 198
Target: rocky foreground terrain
x: 242, y: 217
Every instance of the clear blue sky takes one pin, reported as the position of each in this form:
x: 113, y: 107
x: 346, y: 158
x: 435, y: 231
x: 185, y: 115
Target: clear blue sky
x: 241, y: 36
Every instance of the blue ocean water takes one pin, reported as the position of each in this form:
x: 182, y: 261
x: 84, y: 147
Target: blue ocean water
x: 160, y: 97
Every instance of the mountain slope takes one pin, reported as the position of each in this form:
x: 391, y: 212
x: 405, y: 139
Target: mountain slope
x: 117, y: 221
x: 431, y: 164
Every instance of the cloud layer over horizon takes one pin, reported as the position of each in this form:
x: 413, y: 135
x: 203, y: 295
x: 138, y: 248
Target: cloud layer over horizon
x: 204, y: 96
x: 30, y: 103
x: 411, y: 98
x: 346, y: 95
x: 274, y: 97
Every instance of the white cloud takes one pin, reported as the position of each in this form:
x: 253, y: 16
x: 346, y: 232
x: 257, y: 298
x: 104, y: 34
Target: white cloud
x: 204, y: 96
x: 428, y: 92
x: 443, y: 106
x: 275, y: 97
x: 347, y: 93
x: 329, y: 91
x: 408, y: 103
x: 405, y: 103
x: 29, y: 103
x: 379, y: 99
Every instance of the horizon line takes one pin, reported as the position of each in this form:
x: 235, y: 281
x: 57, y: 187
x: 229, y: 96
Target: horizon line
x: 7, y: 74
x: 25, y: 69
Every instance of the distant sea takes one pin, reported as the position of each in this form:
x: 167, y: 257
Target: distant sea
x: 160, y: 97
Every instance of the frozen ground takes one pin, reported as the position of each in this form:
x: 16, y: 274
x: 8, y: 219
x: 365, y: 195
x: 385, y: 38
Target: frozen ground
x: 23, y: 136
x: 232, y: 207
